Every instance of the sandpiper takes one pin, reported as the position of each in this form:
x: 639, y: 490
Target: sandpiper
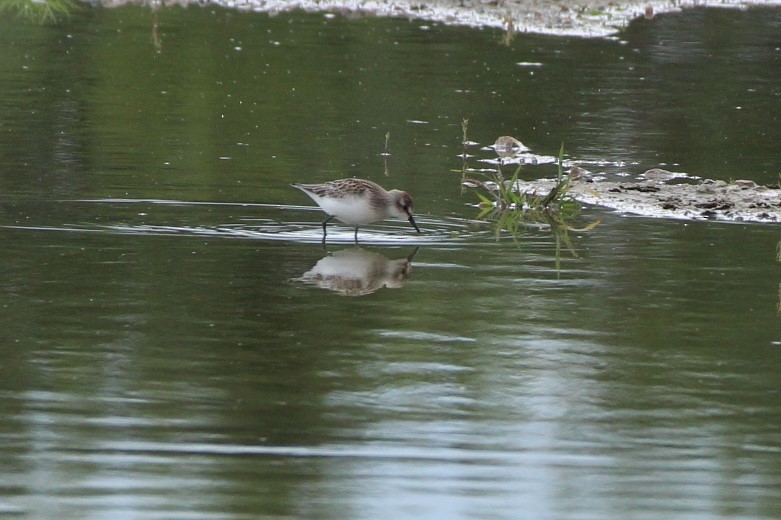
x: 358, y: 202
x: 507, y: 146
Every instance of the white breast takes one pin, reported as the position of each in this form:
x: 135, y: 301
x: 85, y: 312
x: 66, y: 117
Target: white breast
x: 354, y: 211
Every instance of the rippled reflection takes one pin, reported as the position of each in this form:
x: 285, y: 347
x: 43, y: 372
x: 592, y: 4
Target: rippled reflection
x: 357, y: 272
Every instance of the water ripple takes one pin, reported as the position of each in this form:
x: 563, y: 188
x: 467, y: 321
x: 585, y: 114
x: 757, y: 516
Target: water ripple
x: 446, y: 454
x: 436, y: 231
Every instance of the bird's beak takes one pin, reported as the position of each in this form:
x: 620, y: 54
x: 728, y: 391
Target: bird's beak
x: 412, y: 221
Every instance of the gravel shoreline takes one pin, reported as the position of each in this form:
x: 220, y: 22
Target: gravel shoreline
x: 585, y: 18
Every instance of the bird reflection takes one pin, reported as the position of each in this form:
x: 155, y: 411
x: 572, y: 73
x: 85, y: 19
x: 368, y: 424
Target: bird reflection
x: 357, y: 272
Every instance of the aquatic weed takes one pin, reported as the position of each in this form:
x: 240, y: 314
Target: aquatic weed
x: 511, y: 208
x: 39, y: 11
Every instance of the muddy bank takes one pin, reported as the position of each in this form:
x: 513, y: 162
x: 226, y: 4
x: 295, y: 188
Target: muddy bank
x: 663, y: 194
x: 588, y: 18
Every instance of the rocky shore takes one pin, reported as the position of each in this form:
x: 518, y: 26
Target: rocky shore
x: 676, y: 197
x: 586, y: 18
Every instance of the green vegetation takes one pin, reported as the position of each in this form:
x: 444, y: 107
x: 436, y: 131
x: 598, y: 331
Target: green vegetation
x: 511, y: 209
x: 38, y: 11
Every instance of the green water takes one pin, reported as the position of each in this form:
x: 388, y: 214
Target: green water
x: 164, y: 355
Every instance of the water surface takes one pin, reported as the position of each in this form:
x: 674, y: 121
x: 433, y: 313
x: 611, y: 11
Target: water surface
x: 164, y: 354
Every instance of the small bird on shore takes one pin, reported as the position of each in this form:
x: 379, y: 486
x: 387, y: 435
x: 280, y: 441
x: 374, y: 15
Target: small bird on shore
x: 358, y: 202
x: 507, y: 146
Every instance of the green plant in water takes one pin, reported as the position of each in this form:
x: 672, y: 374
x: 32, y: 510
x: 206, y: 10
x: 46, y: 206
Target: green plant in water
x: 39, y: 11
x: 464, y: 127
x: 512, y: 208
x: 386, y: 153
x: 509, y: 34
x: 464, y: 155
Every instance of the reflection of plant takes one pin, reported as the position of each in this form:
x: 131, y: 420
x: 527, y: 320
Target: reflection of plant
x: 512, y: 208
x: 39, y: 11
x: 509, y: 33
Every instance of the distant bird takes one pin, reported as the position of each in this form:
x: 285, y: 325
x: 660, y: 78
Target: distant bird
x: 358, y: 202
x: 507, y: 146
x: 576, y: 173
x: 660, y: 175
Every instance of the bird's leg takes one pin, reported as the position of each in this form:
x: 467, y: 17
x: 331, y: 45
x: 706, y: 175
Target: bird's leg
x: 325, y: 223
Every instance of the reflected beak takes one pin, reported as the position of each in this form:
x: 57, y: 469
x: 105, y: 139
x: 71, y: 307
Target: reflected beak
x: 412, y: 221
